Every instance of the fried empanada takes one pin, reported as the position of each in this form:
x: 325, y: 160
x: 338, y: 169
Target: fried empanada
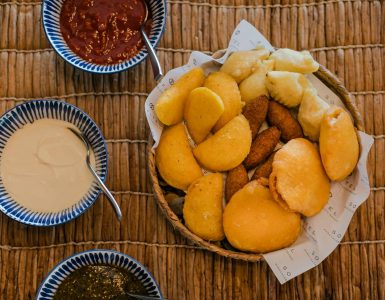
x: 170, y: 105
x: 227, y: 148
x: 227, y: 89
x: 286, y: 87
x: 255, y: 85
x: 298, y: 181
x: 241, y: 64
x: 202, y: 110
x: 174, y: 158
x: 338, y: 143
x: 253, y: 221
x: 294, y: 61
x: 311, y: 112
x: 202, y: 210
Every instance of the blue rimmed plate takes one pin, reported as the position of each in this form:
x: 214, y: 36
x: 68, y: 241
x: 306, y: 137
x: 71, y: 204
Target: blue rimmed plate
x: 51, y: 23
x: 28, y: 112
x: 50, y: 284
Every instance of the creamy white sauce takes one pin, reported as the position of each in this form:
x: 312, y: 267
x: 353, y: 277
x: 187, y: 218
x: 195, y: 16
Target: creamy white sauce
x: 43, y: 166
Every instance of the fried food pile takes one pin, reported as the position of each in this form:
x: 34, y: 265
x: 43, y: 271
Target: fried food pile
x: 252, y: 149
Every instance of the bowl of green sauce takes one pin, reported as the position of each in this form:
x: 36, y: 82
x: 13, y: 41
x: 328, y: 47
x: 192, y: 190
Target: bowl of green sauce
x: 98, y: 274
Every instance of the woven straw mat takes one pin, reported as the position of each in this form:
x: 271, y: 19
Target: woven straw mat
x: 348, y: 37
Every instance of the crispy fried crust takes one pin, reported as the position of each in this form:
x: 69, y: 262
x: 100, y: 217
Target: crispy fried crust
x: 298, y: 181
x: 202, y: 210
x: 254, y: 222
x: 264, y: 169
x: 339, y: 145
x: 280, y: 116
x: 227, y: 148
x: 276, y: 195
x: 262, y: 147
x: 255, y: 112
x: 236, y: 179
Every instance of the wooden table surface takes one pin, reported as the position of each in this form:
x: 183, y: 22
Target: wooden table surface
x: 347, y: 36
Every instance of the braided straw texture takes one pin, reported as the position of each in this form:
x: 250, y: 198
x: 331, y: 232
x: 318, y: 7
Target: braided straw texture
x: 346, y: 36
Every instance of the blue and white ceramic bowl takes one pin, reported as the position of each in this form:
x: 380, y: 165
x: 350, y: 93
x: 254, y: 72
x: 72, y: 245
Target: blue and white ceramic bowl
x: 51, y: 23
x: 28, y: 112
x: 50, y: 284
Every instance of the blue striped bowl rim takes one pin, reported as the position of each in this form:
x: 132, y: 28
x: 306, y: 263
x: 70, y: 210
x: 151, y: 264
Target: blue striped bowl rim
x: 51, y: 22
x: 50, y: 284
x: 27, y: 113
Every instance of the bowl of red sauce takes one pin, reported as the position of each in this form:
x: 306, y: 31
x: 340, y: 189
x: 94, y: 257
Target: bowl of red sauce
x: 102, y: 36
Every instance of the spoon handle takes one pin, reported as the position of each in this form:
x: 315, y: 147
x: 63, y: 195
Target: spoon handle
x: 141, y: 297
x: 107, y: 193
x: 156, y: 68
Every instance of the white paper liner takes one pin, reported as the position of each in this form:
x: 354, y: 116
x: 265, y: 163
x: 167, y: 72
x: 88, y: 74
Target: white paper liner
x: 322, y: 233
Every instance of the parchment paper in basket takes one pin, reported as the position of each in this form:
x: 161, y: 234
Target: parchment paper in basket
x: 321, y: 233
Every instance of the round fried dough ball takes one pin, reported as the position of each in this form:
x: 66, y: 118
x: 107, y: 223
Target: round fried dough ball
x: 254, y: 222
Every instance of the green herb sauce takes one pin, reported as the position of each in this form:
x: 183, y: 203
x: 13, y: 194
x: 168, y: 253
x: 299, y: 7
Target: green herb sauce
x: 99, y: 282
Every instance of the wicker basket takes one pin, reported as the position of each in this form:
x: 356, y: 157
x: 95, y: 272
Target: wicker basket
x: 326, y: 77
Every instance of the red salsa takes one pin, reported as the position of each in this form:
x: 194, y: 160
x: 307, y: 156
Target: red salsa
x: 103, y: 31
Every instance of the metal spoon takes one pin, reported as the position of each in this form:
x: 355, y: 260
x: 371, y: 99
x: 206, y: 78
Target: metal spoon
x: 156, y: 68
x: 101, y: 184
x: 141, y: 297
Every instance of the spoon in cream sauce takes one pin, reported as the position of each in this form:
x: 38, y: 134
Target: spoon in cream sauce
x: 101, y: 184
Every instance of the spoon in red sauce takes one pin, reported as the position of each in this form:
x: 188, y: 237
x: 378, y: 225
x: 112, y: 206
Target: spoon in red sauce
x: 156, y: 68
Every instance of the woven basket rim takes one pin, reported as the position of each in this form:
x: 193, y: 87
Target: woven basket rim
x: 328, y: 78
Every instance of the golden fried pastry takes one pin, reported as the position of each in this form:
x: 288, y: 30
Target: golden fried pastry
x: 294, y: 61
x: 255, y: 112
x: 202, y: 209
x: 254, y: 222
x: 225, y: 87
x: 241, y: 64
x: 203, y: 108
x: 311, y: 112
x: 298, y: 181
x: 255, y: 85
x: 170, y: 105
x: 338, y: 144
x: 264, y: 170
x: 174, y: 158
x: 286, y: 87
x: 227, y: 148
x: 280, y: 116
x: 236, y: 179
x: 262, y: 147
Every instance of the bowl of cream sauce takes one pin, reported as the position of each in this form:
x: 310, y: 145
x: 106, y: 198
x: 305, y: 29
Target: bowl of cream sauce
x: 44, y: 179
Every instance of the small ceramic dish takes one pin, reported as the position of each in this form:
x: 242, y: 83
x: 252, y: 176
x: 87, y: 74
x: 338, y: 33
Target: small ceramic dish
x: 51, y: 283
x: 29, y: 112
x: 51, y: 22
